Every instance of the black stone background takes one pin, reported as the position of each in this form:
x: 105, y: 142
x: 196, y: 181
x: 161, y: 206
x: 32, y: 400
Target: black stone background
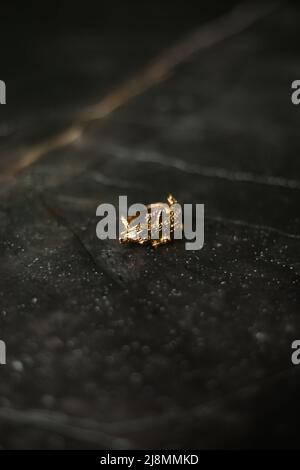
x: 113, y: 346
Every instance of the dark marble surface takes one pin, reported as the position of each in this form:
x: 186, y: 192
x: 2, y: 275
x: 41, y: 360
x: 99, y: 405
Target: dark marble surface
x: 126, y: 346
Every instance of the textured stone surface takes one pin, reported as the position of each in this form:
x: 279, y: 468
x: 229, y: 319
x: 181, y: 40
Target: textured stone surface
x: 127, y: 346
